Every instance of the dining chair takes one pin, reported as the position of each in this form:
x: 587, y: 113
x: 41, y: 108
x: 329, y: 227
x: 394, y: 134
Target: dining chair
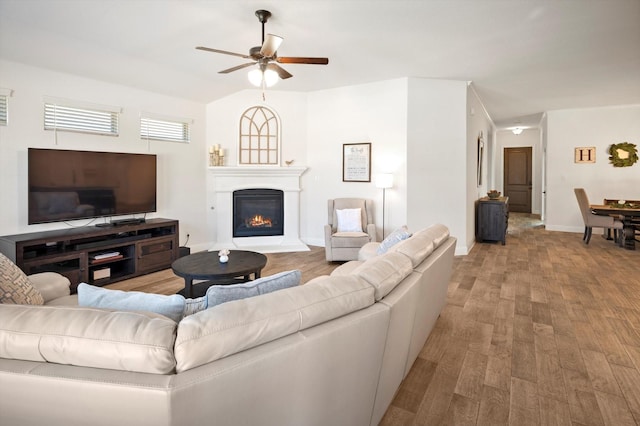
x: 595, y: 221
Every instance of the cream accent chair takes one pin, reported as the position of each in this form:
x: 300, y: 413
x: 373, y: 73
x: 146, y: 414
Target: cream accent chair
x: 343, y: 246
x: 594, y: 221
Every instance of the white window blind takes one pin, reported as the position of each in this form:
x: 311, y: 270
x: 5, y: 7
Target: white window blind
x: 164, y: 130
x: 3, y: 110
x: 4, y: 105
x: 85, y: 119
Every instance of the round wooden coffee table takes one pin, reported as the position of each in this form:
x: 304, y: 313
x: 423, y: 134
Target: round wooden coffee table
x: 206, y: 266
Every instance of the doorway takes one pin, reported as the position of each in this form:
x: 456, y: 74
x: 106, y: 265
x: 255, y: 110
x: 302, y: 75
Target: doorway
x: 518, y: 178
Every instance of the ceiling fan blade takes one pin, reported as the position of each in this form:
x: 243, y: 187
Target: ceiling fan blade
x: 208, y: 49
x: 282, y: 73
x: 236, y: 68
x: 294, y: 60
x: 270, y: 45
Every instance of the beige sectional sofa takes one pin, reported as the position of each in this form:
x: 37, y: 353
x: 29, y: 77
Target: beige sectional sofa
x: 330, y: 352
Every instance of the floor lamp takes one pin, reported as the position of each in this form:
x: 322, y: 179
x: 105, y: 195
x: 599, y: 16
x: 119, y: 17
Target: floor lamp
x: 384, y: 181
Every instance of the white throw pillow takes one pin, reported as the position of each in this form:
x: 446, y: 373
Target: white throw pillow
x: 349, y: 220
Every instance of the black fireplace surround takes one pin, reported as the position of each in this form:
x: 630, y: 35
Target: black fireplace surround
x: 258, y: 212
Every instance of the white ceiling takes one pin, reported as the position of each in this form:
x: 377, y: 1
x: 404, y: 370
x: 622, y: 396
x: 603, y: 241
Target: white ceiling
x: 524, y: 57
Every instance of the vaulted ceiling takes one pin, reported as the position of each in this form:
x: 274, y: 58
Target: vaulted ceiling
x: 523, y: 57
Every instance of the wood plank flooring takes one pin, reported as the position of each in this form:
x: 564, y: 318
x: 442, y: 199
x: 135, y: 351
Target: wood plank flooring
x: 542, y: 331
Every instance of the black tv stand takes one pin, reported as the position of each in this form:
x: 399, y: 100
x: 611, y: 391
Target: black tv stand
x: 129, y: 221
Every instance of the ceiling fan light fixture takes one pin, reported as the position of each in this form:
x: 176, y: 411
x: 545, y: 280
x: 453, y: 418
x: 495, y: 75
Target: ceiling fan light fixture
x: 257, y: 76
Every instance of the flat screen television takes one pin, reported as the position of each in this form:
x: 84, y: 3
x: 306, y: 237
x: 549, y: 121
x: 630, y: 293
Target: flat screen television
x: 67, y: 185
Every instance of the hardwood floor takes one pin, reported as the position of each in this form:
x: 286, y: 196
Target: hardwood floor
x: 544, y: 330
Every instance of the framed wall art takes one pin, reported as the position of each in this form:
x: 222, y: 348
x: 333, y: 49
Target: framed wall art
x: 356, y: 162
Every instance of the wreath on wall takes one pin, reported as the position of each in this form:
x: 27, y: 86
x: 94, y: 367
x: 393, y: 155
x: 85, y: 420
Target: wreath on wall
x: 623, y: 154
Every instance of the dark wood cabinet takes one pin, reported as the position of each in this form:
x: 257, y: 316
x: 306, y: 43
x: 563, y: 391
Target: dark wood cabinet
x: 492, y: 218
x: 96, y: 255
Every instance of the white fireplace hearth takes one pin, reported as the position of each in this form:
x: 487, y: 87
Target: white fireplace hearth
x: 229, y: 179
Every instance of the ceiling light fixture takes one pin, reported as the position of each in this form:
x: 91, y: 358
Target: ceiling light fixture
x: 263, y: 77
x: 517, y: 130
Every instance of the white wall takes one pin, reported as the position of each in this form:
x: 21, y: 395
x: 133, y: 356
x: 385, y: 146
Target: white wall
x: 436, y: 156
x: 528, y: 138
x: 595, y: 127
x: 478, y: 123
x: 375, y: 113
x: 181, y: 172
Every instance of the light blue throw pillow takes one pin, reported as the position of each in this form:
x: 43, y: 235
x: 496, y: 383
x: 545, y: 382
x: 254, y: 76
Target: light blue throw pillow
x: 394, y: 238
x: 217, y: 294
x: 97, y: 297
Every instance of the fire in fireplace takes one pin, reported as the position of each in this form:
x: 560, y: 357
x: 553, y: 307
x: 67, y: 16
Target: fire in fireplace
x: 258, y: 212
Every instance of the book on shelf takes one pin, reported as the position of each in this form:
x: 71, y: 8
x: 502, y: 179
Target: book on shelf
x: 106, y: 259
x: 105, y: 255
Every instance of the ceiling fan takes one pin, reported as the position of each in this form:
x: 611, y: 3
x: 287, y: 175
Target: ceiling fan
x: 266, y: 57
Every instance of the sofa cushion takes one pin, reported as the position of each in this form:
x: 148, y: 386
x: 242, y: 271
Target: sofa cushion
x: 392, y: 239
x: 368, y: 251
x: 349, y: 239
x: 98, y: 297
x: 384, y: 272
x: 217, y: 294
x: 89, y: 337
x: 422, y: 243
x: 349, y: 220
x: 15, y: 286
x: 346, y: 268
x: 438, y: 233
x: 51, y: 285
x: 416, y: 248
x: 242, y: 324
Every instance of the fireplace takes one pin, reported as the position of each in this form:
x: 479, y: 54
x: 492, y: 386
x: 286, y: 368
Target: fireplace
x: 258, y: 212
x: 227, y: 180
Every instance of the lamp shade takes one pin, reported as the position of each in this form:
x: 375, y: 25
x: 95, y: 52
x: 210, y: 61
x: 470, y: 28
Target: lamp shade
x: 517, y: 130
x: 384, y: 180
x: 257, y: 75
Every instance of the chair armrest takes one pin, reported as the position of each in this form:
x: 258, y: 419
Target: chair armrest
x: 51, y: 285
x: 371, y: 230
x: 327, y: 232
x: 327, y: 243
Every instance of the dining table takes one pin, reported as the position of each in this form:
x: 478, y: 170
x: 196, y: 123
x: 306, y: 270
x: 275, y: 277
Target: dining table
x: 628, y: 213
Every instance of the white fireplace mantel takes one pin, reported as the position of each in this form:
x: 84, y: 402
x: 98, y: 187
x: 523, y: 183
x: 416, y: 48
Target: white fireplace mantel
x: 257, y: 171
x: 229, y: 179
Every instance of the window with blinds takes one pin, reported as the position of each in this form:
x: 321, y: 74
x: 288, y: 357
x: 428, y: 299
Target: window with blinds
x: 3, y: 110
x: 80, y: 119
x: 165, y: 130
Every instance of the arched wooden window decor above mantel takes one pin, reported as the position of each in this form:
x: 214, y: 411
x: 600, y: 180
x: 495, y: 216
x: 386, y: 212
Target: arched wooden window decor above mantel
x: 259, y: 137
